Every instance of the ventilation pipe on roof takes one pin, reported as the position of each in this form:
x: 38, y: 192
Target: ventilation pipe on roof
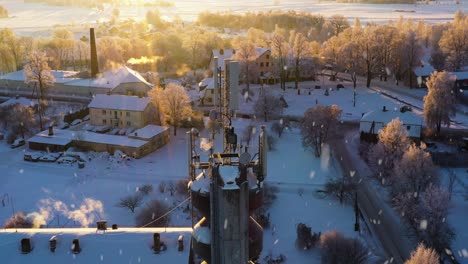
x: 221, y: 52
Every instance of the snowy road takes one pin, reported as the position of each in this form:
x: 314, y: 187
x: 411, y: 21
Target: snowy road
x: 381, y: 218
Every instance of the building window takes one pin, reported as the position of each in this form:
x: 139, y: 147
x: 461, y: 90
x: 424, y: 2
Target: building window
x: 128, y: 113
x: 268, y: 56
x: 408, y: 127
x: 261, y: 64
x: 129, y: 123
x: 261, y: 73
x: 120, y: 113
x: 267, y: 64
x: 104, y: 121
x: 209, y: 99
x: 103, y: 112
x: 121, y: 123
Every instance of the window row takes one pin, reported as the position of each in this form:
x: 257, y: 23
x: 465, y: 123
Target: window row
x: 115, y: 113
x: 104, y: 122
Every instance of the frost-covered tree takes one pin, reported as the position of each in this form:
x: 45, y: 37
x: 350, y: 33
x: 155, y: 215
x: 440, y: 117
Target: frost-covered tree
x: 338, y: 249
x: 175, y: 104
x: 21, y: 119
x: 423, y: 255
x: 415, y: 171
x: 37, y: 71
x: 393, y: 142
x: 439, y: 103
x: 318, y: 123
x: 300, y: 50
x: 434, y: 207
x: 153, y: 215
x: 454, y: 42
x: 268, y: 106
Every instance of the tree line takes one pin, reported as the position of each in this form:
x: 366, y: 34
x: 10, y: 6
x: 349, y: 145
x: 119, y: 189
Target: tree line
x: 297, y: 40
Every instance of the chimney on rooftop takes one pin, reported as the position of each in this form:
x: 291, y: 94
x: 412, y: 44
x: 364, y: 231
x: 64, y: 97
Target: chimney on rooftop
x: 94, y: 61
x: 51, y: 130
x: 384, y: 109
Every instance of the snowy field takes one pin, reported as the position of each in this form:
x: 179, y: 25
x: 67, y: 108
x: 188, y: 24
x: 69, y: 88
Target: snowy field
x: 39, y: 19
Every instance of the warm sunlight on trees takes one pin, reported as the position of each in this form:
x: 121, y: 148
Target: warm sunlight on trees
x: 423, y: 255
x: 439, y: 103
x: 175, y: 104
x: 37, y: 72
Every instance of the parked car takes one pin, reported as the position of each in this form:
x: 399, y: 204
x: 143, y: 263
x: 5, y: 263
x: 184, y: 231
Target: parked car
x: 66, y: 160
x: 50, y: 157
x: 64, y: 125
x: 86, y: 118
x: 18, y: 143
x: 32, y: 156
x: 76, y: 122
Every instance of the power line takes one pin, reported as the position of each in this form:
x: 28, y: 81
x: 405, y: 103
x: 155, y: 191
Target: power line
x: 170, y: 211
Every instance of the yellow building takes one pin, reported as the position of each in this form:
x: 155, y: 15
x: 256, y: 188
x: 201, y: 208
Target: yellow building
x: 121, y: 111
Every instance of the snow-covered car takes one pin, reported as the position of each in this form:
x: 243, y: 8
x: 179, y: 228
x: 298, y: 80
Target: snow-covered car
x: 64, y: 125
x: 32, y: 156
x: 86, y: 118
x: 76, y: 122
x: 18, y: 143
x: 50, y: 157
x: 66, y: 160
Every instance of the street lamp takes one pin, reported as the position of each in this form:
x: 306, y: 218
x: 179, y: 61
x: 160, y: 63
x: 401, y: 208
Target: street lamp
x: 285, y: 68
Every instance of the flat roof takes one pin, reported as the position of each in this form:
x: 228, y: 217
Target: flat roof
x: 148, y: 131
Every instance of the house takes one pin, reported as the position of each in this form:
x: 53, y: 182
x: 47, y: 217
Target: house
x: 461, y: 86
x: 206, y: 91
x: 18, y: 100
x: 372, y: 122
x: 263, y: 69
x: 139, y: 143
x: 123, y: 80
x: 120, y: 111
x: 423, y: 71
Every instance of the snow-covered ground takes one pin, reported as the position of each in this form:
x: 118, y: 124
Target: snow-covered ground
x: 39, y: 19
x: 458, y: 214
x: 57, y: 191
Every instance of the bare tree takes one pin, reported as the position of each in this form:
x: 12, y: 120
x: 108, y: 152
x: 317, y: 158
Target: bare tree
x: 412, y: 53
x: 439, y: 103
x: 245, y: 53
x: 423, y: 255
x: 131, y: 202
x: 415, y: 171
x: 338, y: 23
x: 300, y: 51
x: 21, y: 119
x: 175, y: 104
x: 37, y: 71
x: 153, y: 215
x: 268, y: 106
x: 393, y: 142
x: 338, y: 249
x: 280, y: 50
x: 318, y: 123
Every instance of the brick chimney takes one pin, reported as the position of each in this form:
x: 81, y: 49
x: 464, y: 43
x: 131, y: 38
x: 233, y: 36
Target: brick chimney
x: 51, y: 130
x: 94, y: 61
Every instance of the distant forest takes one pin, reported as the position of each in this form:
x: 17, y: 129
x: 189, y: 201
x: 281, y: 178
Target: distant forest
x: 98, y: 3
x: 265, y: 21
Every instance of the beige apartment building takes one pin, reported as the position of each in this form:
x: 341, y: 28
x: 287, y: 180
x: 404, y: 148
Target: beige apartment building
x: 120, y: 111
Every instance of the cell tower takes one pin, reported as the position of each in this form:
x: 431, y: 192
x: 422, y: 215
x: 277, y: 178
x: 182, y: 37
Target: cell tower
x: 226, y: 188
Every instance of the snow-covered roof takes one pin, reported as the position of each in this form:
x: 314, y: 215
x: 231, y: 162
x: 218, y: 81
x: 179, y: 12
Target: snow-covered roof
x: 112, y: 78
x: 61, y: 137
x: 229, y: 54
x: 148, y: 131
x: 425, y: 70
x: 387, y: 116
x: 461, y: 75
x: 19, y: 100
x: 123, y: 245
x: 119, y: 102
x: 60, y: 76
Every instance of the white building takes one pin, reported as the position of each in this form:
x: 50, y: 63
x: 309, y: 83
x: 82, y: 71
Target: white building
x: 373, y: 121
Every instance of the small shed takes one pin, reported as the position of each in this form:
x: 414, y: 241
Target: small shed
x: 55, y: 142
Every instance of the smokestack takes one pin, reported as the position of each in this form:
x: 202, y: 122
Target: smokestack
x: 94, y: 61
